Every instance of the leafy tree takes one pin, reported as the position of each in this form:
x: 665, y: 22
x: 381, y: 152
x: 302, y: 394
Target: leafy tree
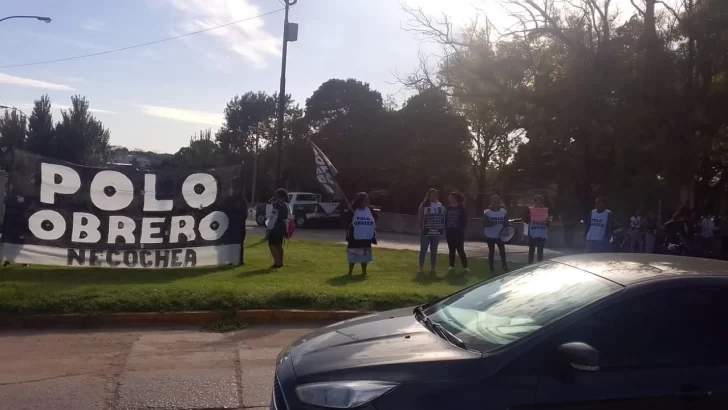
x: 13, y: 128
x: 248, y: 118
x: 81, y: 138
x: 202, y: 152
x: 41, y: 134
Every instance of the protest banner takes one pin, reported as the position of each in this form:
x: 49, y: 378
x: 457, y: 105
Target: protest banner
x: 539, y: 214
x: 57, y: 213
x: 434, y: 221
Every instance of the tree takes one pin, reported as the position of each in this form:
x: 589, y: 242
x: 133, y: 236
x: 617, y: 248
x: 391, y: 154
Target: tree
x: 438, y: 142
x: 81, y: 138
x: 202, y: 152
x: 347, y: 120
x: 13, y: 126
x: 41, y: 135
x: 248, y: 118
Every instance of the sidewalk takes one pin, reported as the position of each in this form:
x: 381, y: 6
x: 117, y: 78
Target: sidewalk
x: 144, y: 369
x: 474, y: 249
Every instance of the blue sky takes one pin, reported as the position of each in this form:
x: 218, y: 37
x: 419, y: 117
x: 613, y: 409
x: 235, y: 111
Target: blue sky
x: 157, y: 96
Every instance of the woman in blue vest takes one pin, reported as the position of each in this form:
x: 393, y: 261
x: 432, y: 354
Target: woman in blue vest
x: 495, y: 219
x: 537, y: 231
x: 361, y: 233
x: 598, y: 228
x: 430, y: 205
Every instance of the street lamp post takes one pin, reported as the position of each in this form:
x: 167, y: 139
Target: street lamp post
x: 10, y: 107
x: 40, y: 18
x: 290, y: 33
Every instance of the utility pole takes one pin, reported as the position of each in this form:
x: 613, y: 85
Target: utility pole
x: 258, y: 131
x: 290, y: 33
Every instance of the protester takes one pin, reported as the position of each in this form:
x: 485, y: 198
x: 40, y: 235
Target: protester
x: 277, y: 225
x: 676, y: 234
x: 707, y: 231
x: 724, y: 235
x: 456, y: 219
x: 495, y: 219
x: 650, y: 228
x: 537, y: 231
x: 430, y: 205
x: 636, y: 230
x: 361, y: 233
x: 598, y: 228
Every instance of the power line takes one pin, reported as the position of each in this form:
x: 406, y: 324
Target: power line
x: 142, y: 44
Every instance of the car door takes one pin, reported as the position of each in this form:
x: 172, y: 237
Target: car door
x: 632, y: 372
x: 699, y: 315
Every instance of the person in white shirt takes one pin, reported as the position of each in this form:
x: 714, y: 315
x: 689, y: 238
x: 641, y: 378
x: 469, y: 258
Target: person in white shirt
x: 598, y: 228
x: 636, y: 233
x: 361, y: 233
x: 495, y: 219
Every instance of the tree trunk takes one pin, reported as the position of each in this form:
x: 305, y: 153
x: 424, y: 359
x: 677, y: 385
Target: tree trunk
x: 482, y: 185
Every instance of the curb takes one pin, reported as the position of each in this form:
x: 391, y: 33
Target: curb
x: 172, y: 318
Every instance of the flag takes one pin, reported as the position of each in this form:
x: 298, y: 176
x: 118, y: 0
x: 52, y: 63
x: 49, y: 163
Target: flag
x: 325, y: 170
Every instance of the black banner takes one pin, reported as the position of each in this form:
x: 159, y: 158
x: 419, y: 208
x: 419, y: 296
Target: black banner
x: 325, y: 170
x: 58, y: 213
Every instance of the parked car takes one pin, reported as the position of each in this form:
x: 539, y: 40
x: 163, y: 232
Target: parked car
x: 307, y: 207
x: 600, y: 331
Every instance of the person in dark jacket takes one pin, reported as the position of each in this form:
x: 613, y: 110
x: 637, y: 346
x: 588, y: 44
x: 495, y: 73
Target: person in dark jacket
x: 456, y: 219
x: 361, y: 233
x: 277, y: 225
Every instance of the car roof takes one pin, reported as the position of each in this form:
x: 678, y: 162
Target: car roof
x: 630, y: 268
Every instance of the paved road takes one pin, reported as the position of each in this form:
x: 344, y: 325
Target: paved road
x: 474, y: 249
x: 140, y: 369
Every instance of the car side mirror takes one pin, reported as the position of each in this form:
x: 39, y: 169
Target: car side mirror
x: 580, y: 356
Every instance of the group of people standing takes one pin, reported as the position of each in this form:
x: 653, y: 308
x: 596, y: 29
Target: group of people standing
x: 360, y: 223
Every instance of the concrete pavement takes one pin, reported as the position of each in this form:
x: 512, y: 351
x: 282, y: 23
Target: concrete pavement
x: 474, y: 249
x: 141, y: 369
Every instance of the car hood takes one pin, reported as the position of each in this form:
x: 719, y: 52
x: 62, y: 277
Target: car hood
x: 380, y: 339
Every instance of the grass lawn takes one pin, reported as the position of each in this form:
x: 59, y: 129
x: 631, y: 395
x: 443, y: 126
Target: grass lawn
x: 314, y: 278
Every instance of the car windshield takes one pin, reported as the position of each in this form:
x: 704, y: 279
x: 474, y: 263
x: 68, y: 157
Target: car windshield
x: 507, y: 308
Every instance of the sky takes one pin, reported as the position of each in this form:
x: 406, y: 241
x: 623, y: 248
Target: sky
x: 156, y: 97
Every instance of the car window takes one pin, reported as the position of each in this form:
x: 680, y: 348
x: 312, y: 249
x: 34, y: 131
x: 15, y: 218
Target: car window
x: 505, y: 309
x: 677, y: 327
x: 306, y: 197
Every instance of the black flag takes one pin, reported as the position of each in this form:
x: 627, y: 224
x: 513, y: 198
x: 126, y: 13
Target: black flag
x: 325, y: 170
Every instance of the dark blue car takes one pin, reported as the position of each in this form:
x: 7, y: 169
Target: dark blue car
x: 602, y: 331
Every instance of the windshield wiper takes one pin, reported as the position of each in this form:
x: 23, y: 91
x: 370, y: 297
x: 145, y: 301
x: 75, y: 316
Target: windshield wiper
x: 437, y: 328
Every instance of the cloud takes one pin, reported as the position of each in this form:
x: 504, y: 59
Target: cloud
x: 92, y: 24
x: 27, y: 82
x: 248, y: 39
x: 95, y: 110
x: 179, y: 114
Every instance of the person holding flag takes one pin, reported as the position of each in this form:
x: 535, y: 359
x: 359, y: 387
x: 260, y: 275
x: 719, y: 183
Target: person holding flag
x: 361, y: 233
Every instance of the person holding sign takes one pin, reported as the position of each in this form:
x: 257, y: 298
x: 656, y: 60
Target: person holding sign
x: 431, y: 217
x: 495, y: 219
x: 361, y: 233
x: 456, y: 219
x: 537, y: 219
x: 598, y: 228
